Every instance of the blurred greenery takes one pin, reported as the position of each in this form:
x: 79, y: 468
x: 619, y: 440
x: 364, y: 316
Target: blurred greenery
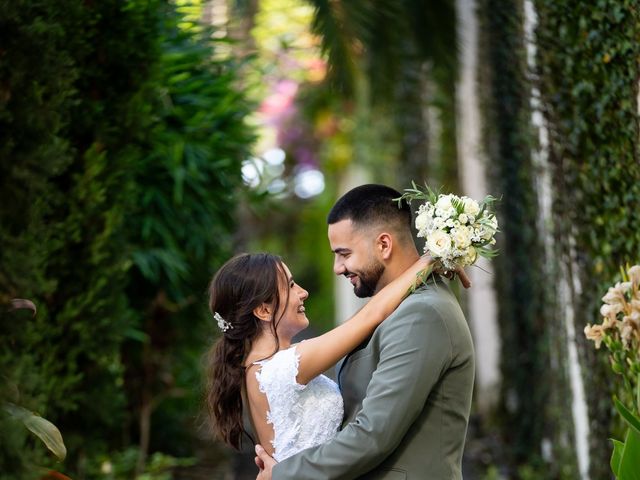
x: 120, y: 178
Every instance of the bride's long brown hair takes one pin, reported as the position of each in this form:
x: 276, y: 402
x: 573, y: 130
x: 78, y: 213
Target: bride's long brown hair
x: 242, y: 284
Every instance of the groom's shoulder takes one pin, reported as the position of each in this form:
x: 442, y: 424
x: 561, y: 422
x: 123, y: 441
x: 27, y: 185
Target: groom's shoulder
x: 433, y: 292
x: 428, y: 303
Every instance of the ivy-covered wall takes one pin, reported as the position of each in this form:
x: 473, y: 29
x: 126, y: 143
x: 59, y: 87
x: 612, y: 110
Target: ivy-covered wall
x: 588, y: 72
x: 586, y: 85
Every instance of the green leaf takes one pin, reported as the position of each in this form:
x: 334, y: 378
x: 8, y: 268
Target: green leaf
x: 630, y: 457
x: 616, y: 456
x: 41, y: 427
x: 630, y: 418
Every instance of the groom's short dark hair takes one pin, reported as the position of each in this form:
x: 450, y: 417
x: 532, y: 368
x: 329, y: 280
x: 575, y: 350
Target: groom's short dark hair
x: 371, y: 204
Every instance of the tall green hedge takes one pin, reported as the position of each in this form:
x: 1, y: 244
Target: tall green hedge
x: 70, y: 83
x: 120, y: 143
x: 179, y: 229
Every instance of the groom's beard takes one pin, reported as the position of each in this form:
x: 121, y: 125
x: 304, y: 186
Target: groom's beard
x: 369, y: 278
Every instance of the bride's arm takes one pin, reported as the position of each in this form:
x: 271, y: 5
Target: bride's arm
x: 320, y: 353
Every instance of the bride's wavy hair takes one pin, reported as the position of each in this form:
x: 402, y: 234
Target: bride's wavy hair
x: 242, y: 284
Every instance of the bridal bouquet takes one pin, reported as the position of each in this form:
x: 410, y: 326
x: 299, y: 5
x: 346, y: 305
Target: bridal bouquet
x: 457, y: 230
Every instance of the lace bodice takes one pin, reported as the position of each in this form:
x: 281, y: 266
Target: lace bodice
x: 302, y: 416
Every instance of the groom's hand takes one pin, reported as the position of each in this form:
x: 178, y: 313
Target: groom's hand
x: 264, y: 462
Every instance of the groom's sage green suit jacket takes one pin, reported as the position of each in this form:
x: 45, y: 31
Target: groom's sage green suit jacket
x: 407, y: 395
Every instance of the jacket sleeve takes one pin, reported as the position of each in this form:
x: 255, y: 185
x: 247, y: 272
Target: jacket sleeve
x: 415, y: 350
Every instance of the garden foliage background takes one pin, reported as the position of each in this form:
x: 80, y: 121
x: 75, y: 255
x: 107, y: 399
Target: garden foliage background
x: 126, y: 131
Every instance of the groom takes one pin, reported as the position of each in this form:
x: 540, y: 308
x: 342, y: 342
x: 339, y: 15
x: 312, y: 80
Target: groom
x: 407, y: 390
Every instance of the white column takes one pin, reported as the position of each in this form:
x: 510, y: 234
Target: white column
x: 346, y: 303
x: 566, y: 290
x: 481, y: 297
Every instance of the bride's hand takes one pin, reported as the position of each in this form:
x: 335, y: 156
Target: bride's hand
x: 462, y: 275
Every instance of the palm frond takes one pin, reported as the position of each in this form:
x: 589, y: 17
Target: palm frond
x: 340, y: 26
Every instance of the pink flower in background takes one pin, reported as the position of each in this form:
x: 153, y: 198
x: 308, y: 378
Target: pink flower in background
x: 279, y: 106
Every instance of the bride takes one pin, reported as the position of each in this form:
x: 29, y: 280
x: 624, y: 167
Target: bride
x: 254, y: 368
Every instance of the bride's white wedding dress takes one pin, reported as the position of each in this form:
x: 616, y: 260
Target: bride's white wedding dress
x: 302, y: 416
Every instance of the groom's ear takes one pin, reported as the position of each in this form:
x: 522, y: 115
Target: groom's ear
x: 384, y: 245
x: 263, y: 312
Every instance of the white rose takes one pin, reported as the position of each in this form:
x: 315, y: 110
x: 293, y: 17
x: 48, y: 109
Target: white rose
x: 444, y: 202
x: 422, y: 221
x: 470, y: 257
x: 461, y: 237
x: 471, y: 207
x: 463, y: 218
x: 439, y: 244
x: 487, y: 232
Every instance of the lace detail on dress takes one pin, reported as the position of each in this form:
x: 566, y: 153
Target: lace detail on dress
x: 302, y: 416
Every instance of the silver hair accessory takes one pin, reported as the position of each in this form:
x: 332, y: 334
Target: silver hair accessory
x: 222, y: 323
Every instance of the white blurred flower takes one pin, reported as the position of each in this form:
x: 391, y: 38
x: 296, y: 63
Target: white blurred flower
x: 106, y: 467
x: 626, y: 334
x: 610, y: 311
x: 614, y: 296
x: 595, y: 333
x: 634, y: 274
